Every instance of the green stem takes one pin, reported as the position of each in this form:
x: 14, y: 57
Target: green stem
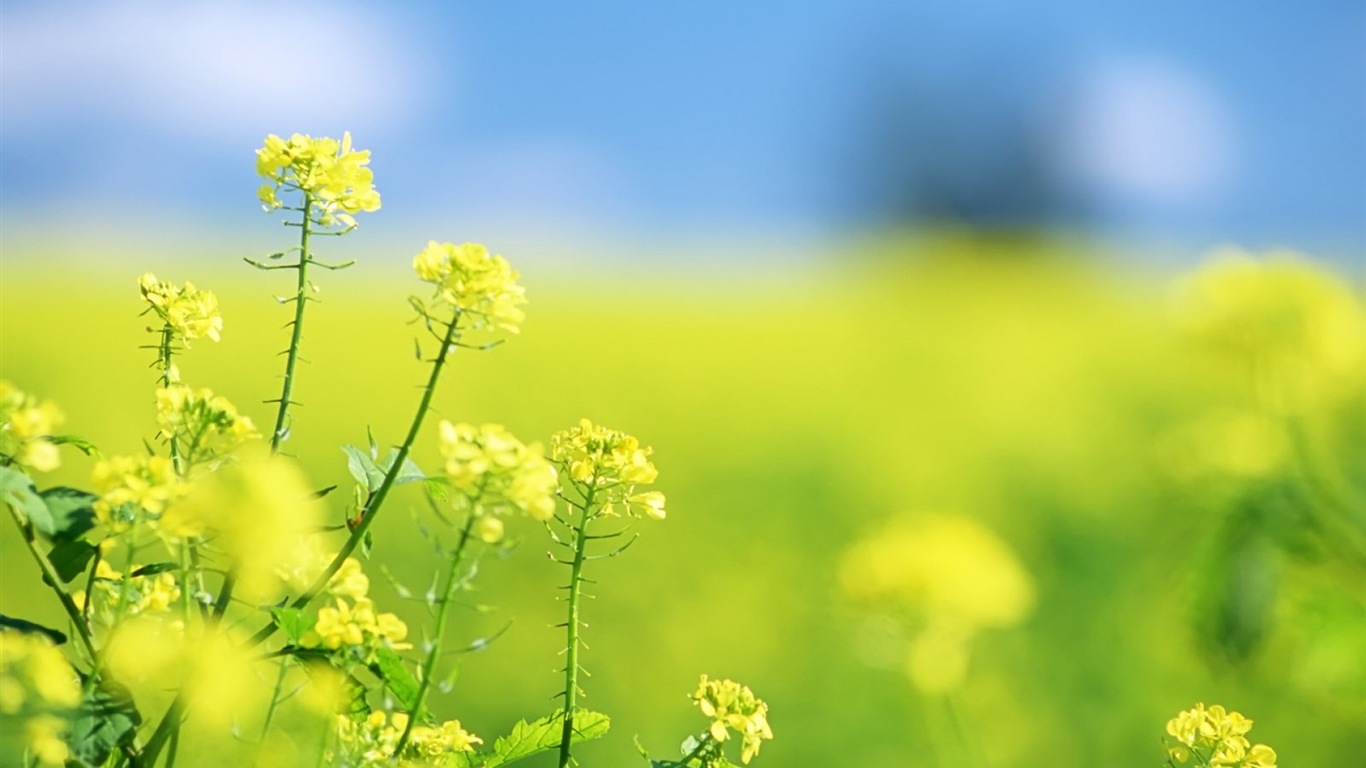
x: 429, y: 666
x: 158, y: 739
x: 296, y: 337
x: 372, y: 506
x: 571, y: 668
x: 166, y: 349
x: 50, y: 575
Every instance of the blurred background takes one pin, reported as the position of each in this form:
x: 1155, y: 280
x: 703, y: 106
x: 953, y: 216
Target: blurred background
x: 847, y: 267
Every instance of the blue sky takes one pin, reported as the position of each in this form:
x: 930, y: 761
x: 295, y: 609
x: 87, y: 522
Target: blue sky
x: 1210, y: 121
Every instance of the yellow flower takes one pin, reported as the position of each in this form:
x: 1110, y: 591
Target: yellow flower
x: 430, y: 741
x: 205, y: 426
x: 25, y: 425
x: 349, y: 580
x: 44, y: 735
x: 480, y: 286
x: 189, y: 312
x: 734, y: 707
x: 495, y: 474
x: 1219, y: 735
x: 134, y: 488
x: 357, y: 626
x: 333, y: 177
x: 609, y: 464
x: 34, y: 673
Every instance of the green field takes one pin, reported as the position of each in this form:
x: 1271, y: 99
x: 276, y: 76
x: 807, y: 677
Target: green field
x: 792, y: 412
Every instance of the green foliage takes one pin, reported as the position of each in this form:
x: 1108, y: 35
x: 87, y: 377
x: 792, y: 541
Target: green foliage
x: 107, y: 720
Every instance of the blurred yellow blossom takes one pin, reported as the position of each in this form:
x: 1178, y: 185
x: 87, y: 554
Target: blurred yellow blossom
x: 494, y: 474
x: 952, y: 576
x: 148, y: 593
x: 134, y: 488
x: 480, y: 286
x: 189, y: 312
x: 25, y: 425
x: 34, y: 674
x: 205, y: 426
x: 332, y: 175
x: 435, y: 741
x: 1294, y: 330
x: 734, y: 707
x: 609, y: 464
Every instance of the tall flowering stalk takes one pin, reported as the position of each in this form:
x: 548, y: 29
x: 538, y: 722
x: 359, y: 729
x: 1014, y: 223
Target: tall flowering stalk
x: 327, y: 182
x: 601, y: 471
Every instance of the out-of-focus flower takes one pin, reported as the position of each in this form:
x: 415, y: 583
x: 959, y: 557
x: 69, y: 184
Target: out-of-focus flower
x: 480, y: 286
x: 609, y: 464
x: 189, y: 312
x: 134, y: 489
x: 952, y: 576
x: 112, y: 593
x: 205, y: 426
x: 38, y: 687
x: 25, y: 425
x: 428, y: 741
x: 1296, y: 332
x: 734, y: 707
x: 331, y: 174
x: 494, y: 474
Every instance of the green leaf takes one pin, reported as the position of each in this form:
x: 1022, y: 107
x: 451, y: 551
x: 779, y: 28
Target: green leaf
x: 16, y: 490
x: 294, y: 622
x: 151, y: 569
x: 543, y: 734
x: 30, y: 628
x: 69, y: 558
x: 390, y: 668
x: 79, y: 443
x: 408, y: 473
x: 71, y: 510
x: 363, y: 468
x: 105, y: 721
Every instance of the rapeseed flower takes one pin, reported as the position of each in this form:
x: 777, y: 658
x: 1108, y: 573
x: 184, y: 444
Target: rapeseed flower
x: 205, y: 426
x: 609, y: 464
x: 1216, y: 738
x: 26, y: 423
x: 332, y: 176
x: 478, y: 285
x: 37, y: 684
x: 494, y: 474
x: 734, y: 707
x: 189, y: 312
x: 134, y: 489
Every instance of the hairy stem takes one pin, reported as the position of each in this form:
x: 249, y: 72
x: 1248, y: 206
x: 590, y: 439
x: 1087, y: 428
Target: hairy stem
x: 571, y: 667
x: 297, y: 334
x: 429, y: 666
x: 372, y: 506
x: 50, y: 575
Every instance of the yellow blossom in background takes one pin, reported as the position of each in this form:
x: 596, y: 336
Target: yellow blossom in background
x: 610, y: 464
x: 367, y: 742
x: 257, y: 513
x: 351, y: 623
x: 330, y: 173
x: 205, y: 426
x: 1215, y: 737
x: 148, y: 593
x: 734, y: 707
x: 1295, y: 331
x: 189, y: 312
x: 480, y: 286
x: 436, y: 741
x: 134, y: 488
x: 952, y: 576
x: 494, y: 474
x: 38, y: 688
x: 25, y: 425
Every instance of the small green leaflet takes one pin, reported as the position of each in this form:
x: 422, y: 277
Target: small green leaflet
x: 543, y: 734
x: 371, y: 475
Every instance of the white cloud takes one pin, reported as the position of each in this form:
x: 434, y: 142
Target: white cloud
x: 1150, y: 131
x: 216, y: 68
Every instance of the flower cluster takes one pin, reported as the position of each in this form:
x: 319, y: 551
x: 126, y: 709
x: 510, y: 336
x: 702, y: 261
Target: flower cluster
x: 35, y: 681
x: 332, y: 176
x: 480, y: 286
x: 351, y: 624
x: 25, y: 425
x: 134, y: 488
x: 148, y: 593
x: 608, y: 464
x: 1298, y: 330
x: 953, y: 575
x: 1216, y: 738
x: 734, y: 707
x: 370, y: 742
x: 494, y: 473
x: 189, y: 312
x: 204, y: 425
